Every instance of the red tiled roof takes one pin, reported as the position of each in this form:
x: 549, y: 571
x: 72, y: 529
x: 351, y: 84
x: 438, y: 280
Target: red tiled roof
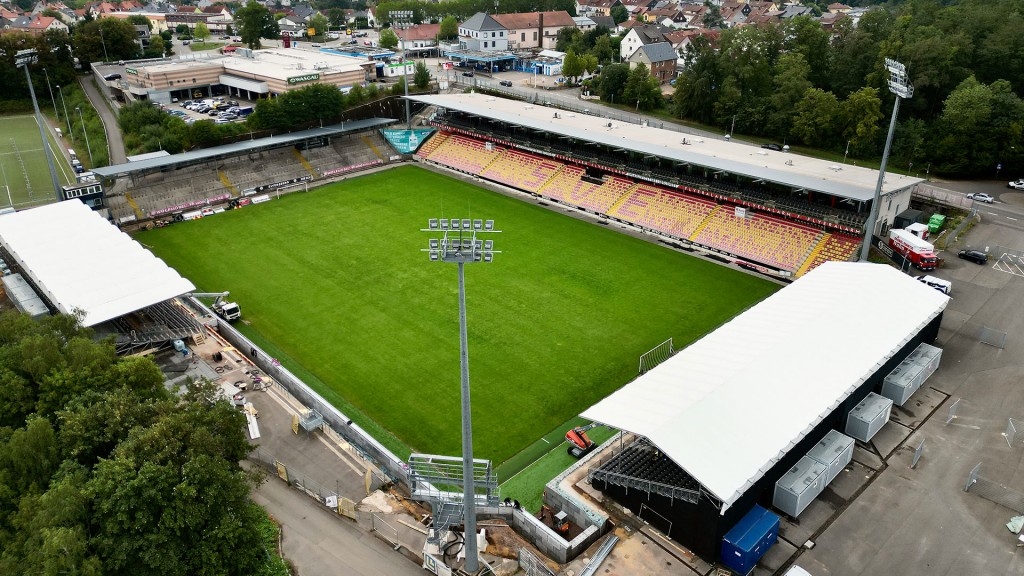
x: 527, y: 20
x: 420, y: 32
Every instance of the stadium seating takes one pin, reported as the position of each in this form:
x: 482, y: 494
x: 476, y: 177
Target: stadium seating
x: 430, y: 145
x: 464, y: 154
x: 663, y: 210
x: 759, y: 237
x: 837, y: 247
x: 521, y: 170
x: 566, y: 186
x: 644, y: 462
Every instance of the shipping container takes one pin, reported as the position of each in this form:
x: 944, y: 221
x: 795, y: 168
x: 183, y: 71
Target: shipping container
x: 799, y: 487
x: 835, y: 451
x: 902, y: 382
x: 868, y: 417
x: 749, y: 539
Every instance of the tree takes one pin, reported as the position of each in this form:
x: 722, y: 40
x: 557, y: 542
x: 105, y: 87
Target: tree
x: 603, y: 49
x: 399, y: 87
x: 449, y: 28
x: 862, y: 113
x: 613, y: 81
x: 156, y: 48
x: 697, y: 88
x: 712, y: 15
x: 181, y: 29
x: 254, y: 22
x: 201, y: 31
x: 140, y: 20
x: 572, y: 66
x: 421, y: 78
x: 319, y: 23
x: 619, y: 13
x: 388, y: 38
x: 815, y: 120
x: 642, y: 88
x: 118, y: 38
x: 790, y: 85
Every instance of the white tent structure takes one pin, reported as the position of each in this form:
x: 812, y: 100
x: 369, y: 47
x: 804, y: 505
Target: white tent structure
x: 732, y: 404
x: 79, y: 261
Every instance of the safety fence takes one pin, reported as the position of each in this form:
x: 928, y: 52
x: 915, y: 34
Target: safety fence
x: 993, y: 491
x: 325, y: 496
x: 992, y: 337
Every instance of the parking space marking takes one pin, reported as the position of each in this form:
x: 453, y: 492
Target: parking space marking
x: 1010, y: 264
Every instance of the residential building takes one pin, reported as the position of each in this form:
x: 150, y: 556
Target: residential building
x: 481, y: 32
x: 584, y: 23
x: 641, y: 36
x: 659, y: 58
x: 534, y: 29
x: 591, y: 7
x: 418, y: 38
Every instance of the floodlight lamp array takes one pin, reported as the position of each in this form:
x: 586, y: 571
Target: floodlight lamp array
x: 459, y: 243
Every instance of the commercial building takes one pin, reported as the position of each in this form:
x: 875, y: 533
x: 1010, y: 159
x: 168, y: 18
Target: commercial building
x: 245, y: 73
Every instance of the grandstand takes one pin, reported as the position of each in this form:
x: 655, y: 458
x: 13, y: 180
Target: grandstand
x: 776, y: 212
x: 168, y: 186
x: 758, y: 393
x: 77, y: 262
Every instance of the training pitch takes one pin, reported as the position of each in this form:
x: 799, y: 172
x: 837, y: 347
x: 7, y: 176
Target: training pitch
x: 23, y: 169
x: 334, y: 281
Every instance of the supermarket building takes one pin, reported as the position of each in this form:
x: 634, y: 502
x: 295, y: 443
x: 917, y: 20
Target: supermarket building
x: 247, y: 74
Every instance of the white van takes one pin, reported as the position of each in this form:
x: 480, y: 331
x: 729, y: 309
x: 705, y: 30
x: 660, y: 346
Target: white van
x: 944, y: 286
x: 72, y: 155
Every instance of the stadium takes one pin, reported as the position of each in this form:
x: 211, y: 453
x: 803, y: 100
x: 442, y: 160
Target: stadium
x: 601, y: 222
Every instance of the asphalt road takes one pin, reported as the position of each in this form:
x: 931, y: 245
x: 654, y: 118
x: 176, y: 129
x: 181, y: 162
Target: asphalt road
x: 320, y: 543
x: 102, y: 106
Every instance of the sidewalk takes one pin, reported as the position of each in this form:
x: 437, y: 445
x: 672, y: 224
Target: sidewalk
x: 114, y: 142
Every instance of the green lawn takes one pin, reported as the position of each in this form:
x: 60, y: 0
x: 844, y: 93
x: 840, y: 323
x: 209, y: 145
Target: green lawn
x: 334, y: 282
x: 28, y: 180
x: 201, y: 46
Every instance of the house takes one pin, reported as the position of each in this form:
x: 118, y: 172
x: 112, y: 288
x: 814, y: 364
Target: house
x: 534, y: 29
x: 681, y: 39
x: 371, y: 17
x: 584, y: 23
x: 45, y: 24
x: 142, y: 36
x: 304, y: 11
x: 590, y: 7
x: 659, y: 58
x: 838, y: 8
x: 481, y: 32
x: 418, y: 37
x: 641, y: 36
x: 291, y: 23
x: 606, y: 21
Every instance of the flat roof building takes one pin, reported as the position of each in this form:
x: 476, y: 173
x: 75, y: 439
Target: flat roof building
x: 247, y: 73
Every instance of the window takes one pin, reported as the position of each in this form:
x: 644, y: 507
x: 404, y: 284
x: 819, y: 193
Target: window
x: 523, y: 37
x: 534, y: 36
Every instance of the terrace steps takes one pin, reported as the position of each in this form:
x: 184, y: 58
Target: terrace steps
x: 227, y: 182
x: 818, y: 247
x: 705, y: 223
x: 305, y: 163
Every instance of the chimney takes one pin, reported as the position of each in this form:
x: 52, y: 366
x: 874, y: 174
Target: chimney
x: 540, y: 29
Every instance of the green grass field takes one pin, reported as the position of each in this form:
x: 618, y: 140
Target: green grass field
x: 30, y: 185
x: 333, y: 282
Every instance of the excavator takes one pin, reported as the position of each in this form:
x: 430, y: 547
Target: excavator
x: 579, y: 444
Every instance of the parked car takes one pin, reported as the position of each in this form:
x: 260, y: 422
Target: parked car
x: 222, y: 121
x: 1017, y: 184
x: 111, y: 77
x: 981, y: 197
x: 351, y: 42
x: 185, y: 104
x: 775, y: 147
x: 236, y: 39
x: 213, y: 112
x: 976, y: 256
x: 228, y: 117
x: 468, y: 73
x: 225, y: 37
x: 232, y: 102
x: 505, y: 83
x: 186, y: 42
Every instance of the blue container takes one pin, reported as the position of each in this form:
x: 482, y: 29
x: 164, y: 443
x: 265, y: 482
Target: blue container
x: 749, y: 539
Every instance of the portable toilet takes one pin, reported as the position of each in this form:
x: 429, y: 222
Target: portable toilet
x: 749, y: 539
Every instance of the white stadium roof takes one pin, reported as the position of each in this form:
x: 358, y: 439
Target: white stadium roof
x: 78, y: 260
x: 729, y: 406
x: 842, y: 180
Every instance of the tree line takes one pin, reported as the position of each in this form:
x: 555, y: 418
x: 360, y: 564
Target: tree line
x: 800, y: 83
x: 103, y: 471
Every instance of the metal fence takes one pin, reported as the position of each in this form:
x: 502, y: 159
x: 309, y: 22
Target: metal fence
x: 955, y: 234
x: 533, y: 566
x: 943, y: 196
x: 367, y: 446
x: 917, y: 455
x: 954, y: 409
x: 994, y: 491
x: 1011, y: 432
x: 992, y: 337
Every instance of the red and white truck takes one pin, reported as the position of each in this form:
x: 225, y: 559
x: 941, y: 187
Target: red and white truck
x: 920, y: 252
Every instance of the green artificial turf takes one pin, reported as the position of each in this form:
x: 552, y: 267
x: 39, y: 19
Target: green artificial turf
x: 335, y: 280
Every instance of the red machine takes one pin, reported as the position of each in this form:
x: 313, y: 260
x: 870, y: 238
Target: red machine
x: 579, y: 443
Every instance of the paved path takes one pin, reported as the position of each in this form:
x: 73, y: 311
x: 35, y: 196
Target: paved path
x: 319, y: 543
x: 102, y: 106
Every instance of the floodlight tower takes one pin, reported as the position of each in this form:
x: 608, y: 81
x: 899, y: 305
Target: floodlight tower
x: 22, y: 59
x: 459, y: 245
x: 899, y: 85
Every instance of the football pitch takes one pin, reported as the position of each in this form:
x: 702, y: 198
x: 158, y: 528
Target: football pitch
x: 23, y: 169
x: 334, y: 282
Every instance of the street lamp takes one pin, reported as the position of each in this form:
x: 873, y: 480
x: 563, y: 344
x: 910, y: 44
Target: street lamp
x: 459, y: 245
x: 404, y: 18
x: 104, y: 42
x: 65, y: 105
x: 50, y: 88
x: 84, y: 131
x: 22, y: 59
x: 899, y: 85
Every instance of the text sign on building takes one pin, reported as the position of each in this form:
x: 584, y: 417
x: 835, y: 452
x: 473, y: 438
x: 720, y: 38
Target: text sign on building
x: 132, y: 71
x: 304, y: 78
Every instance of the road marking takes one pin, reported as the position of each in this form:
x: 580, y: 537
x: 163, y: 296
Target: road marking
x: 1011, y: 218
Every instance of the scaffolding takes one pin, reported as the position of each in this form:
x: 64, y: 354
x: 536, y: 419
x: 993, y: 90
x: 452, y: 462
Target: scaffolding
x: 439, y: 481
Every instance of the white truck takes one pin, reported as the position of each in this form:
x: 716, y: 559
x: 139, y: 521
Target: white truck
x: 221, y: 307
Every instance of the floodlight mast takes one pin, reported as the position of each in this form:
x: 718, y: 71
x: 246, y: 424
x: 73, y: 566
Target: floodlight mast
x: 459, y: 245
x: 23, y: 59
x: 899, y: 85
